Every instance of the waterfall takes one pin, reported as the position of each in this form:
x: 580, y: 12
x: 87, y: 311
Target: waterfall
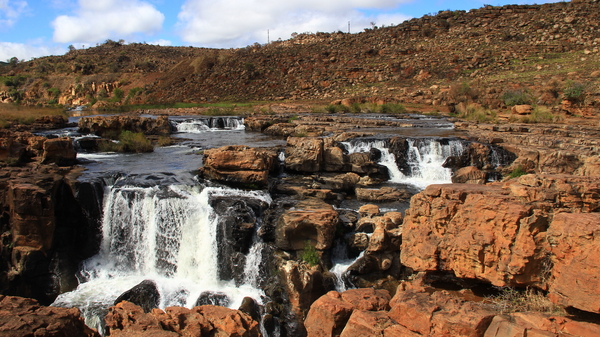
x: 164, y: 233
x: 204, y: 124
x: 424, y: 159
x: 341, y: 263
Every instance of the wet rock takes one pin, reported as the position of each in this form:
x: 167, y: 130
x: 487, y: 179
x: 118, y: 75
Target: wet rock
x: 145, y: 294
x: 212, y: 298
x: 25, y: 317
x: 251, y: 308
x: 312, y: 221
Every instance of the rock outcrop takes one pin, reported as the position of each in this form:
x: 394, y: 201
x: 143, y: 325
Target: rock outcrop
x: 239, y: 164
x: 25, y: 317
x: 534, y: 230
x: 127, y: 319
x: 113, y: 126
x: 416, y: 311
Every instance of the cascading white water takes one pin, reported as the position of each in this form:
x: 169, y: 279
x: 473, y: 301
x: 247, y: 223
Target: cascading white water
x: 424, y: 158
x: 163, y: 233
x: 199, y: 125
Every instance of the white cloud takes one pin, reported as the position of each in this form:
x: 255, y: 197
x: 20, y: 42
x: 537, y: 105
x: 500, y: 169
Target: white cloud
x: 98, y: 20
x: 10, y: 11
x: 236, y: 23
x: 27, y: 51
x: 161, y: 42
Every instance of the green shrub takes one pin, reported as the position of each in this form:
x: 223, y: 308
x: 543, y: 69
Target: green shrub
x: 118, y: 95
x: 165, y: 141
x: 134, y: 142
x: 516, y: 97
x: 574, y: 91
x: 128, y: 142
x: 310, y: 254
x: 356, y: 108
x: 392, y: 108
x: 517, y: 172
x: 54, y: 92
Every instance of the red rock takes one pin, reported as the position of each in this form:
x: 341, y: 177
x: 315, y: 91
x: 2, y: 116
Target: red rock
x: 367, y: 299
x: 127, y: 319
x: 238, y: 164
x: 366, y: 323
x: 523, y: 109
x: 413, y: 310
x: 399, y: 331
x: 328, y: 315
x: 25, y: 317
x: 461, y: 228
x: 576, y: 260
x: 312, y: 221
x: 469, y: 175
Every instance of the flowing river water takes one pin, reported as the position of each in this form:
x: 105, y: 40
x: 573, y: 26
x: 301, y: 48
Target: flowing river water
x: 159, y: 224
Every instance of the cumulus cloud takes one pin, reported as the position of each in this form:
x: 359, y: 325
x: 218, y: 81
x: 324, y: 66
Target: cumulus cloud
x: 98, y: 20
x: 161, y: 42
x: 27, y: 51
x: 10, y: 11
x: 236, y: 23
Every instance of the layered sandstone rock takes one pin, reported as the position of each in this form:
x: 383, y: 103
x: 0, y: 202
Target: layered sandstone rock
x: 575, y: 260
x: 59, y: 151
x: 494, y: 233
x: 114, y: 125
x: 127, y: 319
x: 415, y: 311
x: 25, y: 317
x: 311, y: 221
x: 239, y: 164
x: 304, y: 154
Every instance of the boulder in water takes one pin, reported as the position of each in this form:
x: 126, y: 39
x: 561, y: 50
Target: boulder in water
x: 145, y: 294
x: 213, y: 298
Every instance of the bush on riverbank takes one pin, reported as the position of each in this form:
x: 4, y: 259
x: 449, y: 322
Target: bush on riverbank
x: 128, y: 142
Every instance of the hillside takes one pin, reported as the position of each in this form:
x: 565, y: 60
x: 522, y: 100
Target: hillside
x: 537, y: 54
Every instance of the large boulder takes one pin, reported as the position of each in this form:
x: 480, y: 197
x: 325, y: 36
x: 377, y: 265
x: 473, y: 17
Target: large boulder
x: 575, y: 260
x: 59, y: 151
x: 239, y: 164
x: 145, y: 294
x: 311, y: 221
x: 304, y: 154
x: 25, y: 317
x: 496, y: 234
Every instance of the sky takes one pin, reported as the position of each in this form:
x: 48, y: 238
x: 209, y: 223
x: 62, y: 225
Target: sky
x: 35, y: 28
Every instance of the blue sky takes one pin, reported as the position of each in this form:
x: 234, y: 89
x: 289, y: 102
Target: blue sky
x: 34, y: 28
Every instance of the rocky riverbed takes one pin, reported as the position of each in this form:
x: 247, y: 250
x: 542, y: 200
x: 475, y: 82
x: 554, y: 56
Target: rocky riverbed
x: 422, y: 266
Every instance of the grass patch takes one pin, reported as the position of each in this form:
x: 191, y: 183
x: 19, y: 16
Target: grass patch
x: 511, y: 300
x: 392, y: 108
x: 474, y: 112
x: 128, y: 142
x: 10, y: 114
x: 310, y: 254
x: 164, y: 141
x: 540, y: 114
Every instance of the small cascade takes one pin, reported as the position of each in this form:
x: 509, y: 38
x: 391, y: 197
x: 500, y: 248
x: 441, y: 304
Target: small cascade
x: 206, y: 124
x: 341, y: 263
x: 165, y: 233
x: 423, y: 159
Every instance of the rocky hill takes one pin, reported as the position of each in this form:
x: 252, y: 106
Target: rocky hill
x: 549, y: 52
